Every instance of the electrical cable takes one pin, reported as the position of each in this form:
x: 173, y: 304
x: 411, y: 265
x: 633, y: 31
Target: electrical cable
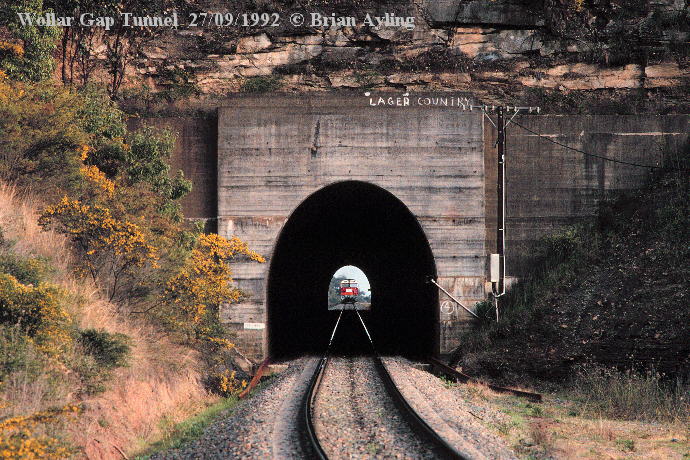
x: 595, y: 155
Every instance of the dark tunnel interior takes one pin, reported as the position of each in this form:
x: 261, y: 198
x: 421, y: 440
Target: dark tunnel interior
x: 360, y: 224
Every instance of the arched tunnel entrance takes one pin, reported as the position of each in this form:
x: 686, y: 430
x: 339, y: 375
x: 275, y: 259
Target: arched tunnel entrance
x: 360, y: 224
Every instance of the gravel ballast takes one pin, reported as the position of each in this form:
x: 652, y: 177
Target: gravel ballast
x: 356, y: 418
x: 446, y: 412
x: 263, y: 426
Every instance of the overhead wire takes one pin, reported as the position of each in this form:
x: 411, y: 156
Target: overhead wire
x: 614, y: 160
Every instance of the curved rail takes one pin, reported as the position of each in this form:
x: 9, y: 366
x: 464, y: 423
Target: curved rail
x: 311, y: 444
x: 444, y: 449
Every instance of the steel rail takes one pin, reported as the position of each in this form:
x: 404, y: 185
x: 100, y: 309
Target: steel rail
x: 418, y: 424
x: 310, y: 442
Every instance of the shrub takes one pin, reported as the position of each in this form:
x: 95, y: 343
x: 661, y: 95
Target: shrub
x: 29, y: 56
x: 37, y: 312
x: 18, y: 353
x: 41, y: 136
x: 178, y: 84
x: 108, y: 349
x: 109, y: 249
x: 31, y: 270
x: 197, y: 290
x: 227, y: 384
x: 261, y: 84
x: 18, y: 438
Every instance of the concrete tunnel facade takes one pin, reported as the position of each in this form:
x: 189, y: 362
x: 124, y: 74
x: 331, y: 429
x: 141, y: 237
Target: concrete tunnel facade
x: 411, y: 183
x: 263, y: 156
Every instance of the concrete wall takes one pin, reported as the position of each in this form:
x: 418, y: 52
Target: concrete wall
x: 274, y: 151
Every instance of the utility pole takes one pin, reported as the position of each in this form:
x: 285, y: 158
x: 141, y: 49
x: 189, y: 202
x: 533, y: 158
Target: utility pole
x: 500, y: 202
x: 497, y: 265
x: 498, y: 260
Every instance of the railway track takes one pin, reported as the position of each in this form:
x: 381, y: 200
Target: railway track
x: 350, y: 406
x: 429, y: 443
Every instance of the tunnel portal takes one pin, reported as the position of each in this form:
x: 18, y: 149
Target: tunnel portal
x: 352, y: 223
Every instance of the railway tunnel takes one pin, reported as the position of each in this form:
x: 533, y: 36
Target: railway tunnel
x: 360, y: 224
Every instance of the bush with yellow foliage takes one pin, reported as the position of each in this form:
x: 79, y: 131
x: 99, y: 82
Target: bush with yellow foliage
x: 194, y: 295
x: 109, y: 249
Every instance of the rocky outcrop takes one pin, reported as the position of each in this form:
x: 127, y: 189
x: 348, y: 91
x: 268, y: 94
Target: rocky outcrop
x: 495, y: 48
x: 666, y: 75
x: 585, y: 77
x: 493, y: 44
x: 511, y: 14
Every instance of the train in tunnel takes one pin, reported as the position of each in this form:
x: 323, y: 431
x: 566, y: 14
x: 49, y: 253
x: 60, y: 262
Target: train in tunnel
x: 348, y: 290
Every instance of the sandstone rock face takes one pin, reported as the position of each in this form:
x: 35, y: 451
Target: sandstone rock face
x: 351, y: 79
x: 251, y: 65
x: 586, y: 77
x: 253, y: 44
x: 492, y: 44
x: 340, y: 54
x: 494, y: 48
x: 666, y: 75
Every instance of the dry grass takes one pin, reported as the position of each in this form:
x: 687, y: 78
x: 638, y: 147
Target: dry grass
x: 162, y: 377
x: 560, y: 428
x: 632, y: 395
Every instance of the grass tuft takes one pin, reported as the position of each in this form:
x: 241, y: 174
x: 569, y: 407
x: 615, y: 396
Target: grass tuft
x: 632, y: 395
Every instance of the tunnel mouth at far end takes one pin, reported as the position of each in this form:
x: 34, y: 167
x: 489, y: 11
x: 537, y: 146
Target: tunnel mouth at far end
x: 359, y: 224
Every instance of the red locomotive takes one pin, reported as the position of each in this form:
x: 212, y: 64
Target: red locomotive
x: 349, y: 290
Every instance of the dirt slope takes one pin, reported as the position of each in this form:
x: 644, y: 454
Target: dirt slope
x: 620, y: 297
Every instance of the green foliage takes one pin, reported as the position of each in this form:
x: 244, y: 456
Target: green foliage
x: 178, y: 84
x: 110, y: 250
x: 34, y: 310
x: 176, y: 435
x: 557, y: 259
x: 18, y: 353
x: 194, y: 294
x: 108, y: 349
x: 147, y: 161
x: 99, y: 116
x: 32, y: 60
x: 485, y: 310
x: 29, y: 270
x: 41, y: 136
x: 333, y: 290
x: 36, y: 331
x: 261, y: 84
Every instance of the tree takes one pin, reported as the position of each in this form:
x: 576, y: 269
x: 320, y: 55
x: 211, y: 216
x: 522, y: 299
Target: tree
x: 29, y: 56
x: 334, y: 290
x: 124, y: 43
x: 79, y: 42
x: 40, y: 138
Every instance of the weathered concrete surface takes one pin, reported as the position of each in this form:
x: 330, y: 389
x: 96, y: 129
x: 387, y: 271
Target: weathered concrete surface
x: 550, y: 186
x: 274, y: 152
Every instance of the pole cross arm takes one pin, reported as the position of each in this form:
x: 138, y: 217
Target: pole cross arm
x: 453, y: 298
